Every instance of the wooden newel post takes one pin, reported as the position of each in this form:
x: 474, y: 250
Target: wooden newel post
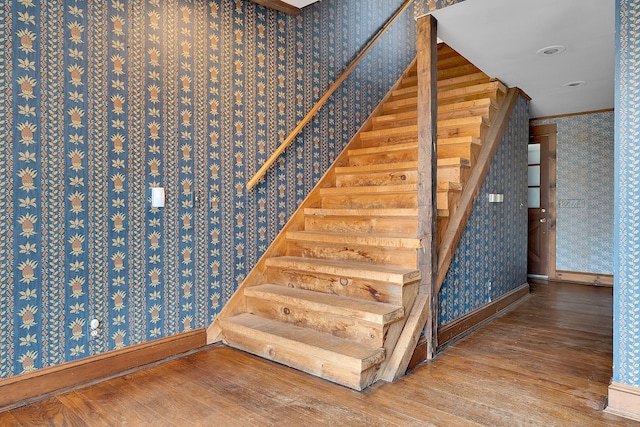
x: 427, y: 48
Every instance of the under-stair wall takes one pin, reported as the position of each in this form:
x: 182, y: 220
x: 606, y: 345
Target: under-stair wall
x: 491, y: 258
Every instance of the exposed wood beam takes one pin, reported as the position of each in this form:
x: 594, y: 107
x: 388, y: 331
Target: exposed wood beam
x: 279, y: 6
x: 427, y: 169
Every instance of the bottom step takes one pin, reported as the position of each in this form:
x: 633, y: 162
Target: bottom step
x: 348, y: 363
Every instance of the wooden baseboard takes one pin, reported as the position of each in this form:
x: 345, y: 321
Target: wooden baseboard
x: 26, y: 388
x: 468, y: 322
x: 452, y: 330
x: 624, y: 401
x: 588, y: 278
x: 419, y: 354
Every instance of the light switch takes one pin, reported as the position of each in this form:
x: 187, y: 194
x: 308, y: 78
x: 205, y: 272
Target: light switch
x: 496, y: 198
x: 157, y: 197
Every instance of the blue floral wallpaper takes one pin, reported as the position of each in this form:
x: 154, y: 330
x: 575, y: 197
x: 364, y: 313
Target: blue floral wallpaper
x: 626, y: 297
x: 584, y: 231
x: 491, y: 259
x: 102, y: 100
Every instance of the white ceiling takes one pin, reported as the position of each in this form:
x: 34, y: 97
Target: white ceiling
x: 501, y: 37
x: 299, y: 3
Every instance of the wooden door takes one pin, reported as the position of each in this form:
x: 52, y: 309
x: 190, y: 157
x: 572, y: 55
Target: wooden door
x: 540, y: 214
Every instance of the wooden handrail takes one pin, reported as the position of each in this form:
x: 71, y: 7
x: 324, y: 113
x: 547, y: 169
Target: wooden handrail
x: 283, y: 146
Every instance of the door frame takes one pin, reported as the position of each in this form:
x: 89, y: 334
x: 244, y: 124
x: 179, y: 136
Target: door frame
x: 551, y: 131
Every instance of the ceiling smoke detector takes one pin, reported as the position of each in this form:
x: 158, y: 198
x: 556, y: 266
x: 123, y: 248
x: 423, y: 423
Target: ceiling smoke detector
x: 551, y: 50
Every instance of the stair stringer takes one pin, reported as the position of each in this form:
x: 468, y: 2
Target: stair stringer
x: 396, y: 364
x: 257, y: 276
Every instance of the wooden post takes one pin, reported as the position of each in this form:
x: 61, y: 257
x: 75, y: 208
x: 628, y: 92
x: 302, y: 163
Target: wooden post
x: 427, y: 171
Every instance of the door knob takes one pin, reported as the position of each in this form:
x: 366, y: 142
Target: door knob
x: 543, y: 219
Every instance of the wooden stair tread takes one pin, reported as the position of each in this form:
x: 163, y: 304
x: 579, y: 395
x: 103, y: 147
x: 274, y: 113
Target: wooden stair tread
x: 355, y: 356
x: 370, y: 311
x: 410, y: 84
x: 396, y: 117
x: 445, y: 108
x: 392, y: 274
x: 413, y: 145
x: 453, y: 161
x: 398, y: 166
x: 464, y: 80
x: 473, y: 103
x: 469, y: 90
x: 405, y: 92
x: 382, y: 167
x: 401, y: 130
x: 355, y: 238
x: 452, y: 62
x: 449, y: 186
x: 383, y: 149
x: 462, y: 121
x: 460, y: 140
x: 460, y: 70
x: 362, y: 212
x: 400, y: 104
x: 366, y: 189
x: 409, y: 81
x: 404, y: 188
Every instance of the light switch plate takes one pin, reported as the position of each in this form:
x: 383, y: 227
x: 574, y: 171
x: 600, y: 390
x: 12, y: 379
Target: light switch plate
x: 496, y: 198
x: 157, y: 197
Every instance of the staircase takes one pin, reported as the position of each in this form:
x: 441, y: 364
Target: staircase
x: 332, y: 294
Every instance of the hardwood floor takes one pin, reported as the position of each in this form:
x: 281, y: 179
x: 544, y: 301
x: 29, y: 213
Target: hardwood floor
x: 547, y: 362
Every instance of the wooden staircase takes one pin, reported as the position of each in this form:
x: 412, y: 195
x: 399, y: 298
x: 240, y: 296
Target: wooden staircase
x: 331, y: 295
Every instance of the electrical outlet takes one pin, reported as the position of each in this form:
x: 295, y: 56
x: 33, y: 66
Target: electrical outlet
x: 94, y: 327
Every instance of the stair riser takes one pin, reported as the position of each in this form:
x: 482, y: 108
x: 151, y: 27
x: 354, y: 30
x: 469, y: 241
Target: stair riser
x: 449, y: 199
x: 454, y: 174
x: 461, y: 82
x: 400, y: 226
x: 338, y: 326
x: 451, y: 73
x: 468, y: 151
x: 390, y: 140
x: 488, y: 112
x: 392, y: 120
x: 401, y: 106
x: 453, y: 62
x: 472, y: 130
x: 370, y: 290
x: 307, y: 363
x: 377, y: 178
x: 371, y: 201
x: 409, y: 88
x: 494, y: 95
x: 484, y: 111
x: 395, y: 156
x: 404, y: 93
x: 386, y: 255
x: 442, y: 224
x: 409, y: 81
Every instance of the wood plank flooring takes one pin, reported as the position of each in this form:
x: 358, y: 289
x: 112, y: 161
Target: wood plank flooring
x: 547, y: 362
